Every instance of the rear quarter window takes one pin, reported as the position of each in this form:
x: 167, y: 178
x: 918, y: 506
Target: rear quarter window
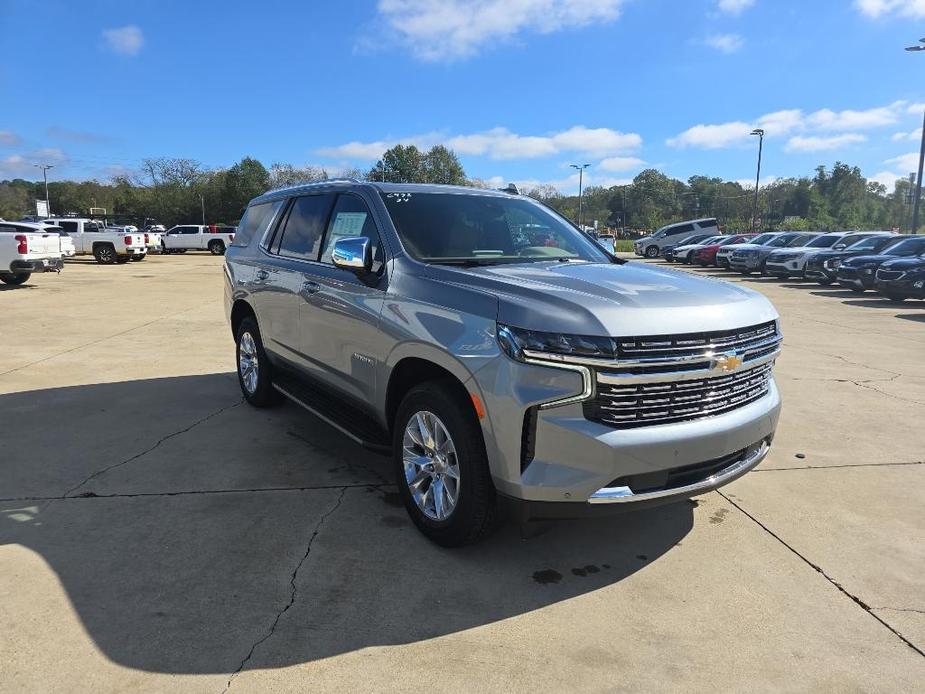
x: 254, y: 223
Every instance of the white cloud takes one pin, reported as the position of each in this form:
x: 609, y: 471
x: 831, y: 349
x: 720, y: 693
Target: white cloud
x: 727, y: 43
x: 620, y: 164
x: 126, y: 40
x: 912, y: 135
x: 905, y: 162
x: 734, y: 6
x: 785, y: 122
x: 23, y: 165
x: 827, y: 119
x: 712, y: 136
x: 453, y: 29
x: 749, y: 183
x: 887, y: 178
x: 501, y: 143
x: 799, y: 143
x: 8, y: 137
x: 903, y: 8
x: 915, y: 109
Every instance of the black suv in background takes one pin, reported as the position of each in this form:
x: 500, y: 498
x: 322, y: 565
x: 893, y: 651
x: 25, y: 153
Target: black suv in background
x: 823, y: 266
x: 668, y: 251
x: 858, y: 273
x: 901, y: 279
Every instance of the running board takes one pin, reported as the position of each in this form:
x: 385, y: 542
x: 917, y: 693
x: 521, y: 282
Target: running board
x: 347, y: 419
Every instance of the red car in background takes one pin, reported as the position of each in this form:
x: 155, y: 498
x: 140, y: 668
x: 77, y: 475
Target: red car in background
x: 706, y: 255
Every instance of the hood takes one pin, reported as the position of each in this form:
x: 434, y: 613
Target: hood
x: 914, y: 263
x: 615, y: 300
x: 643, y: 239
x: 859, y: 260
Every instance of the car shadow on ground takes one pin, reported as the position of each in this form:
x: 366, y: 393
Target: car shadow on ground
x: 219, y: 531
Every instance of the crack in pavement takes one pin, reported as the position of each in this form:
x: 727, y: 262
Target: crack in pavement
x: 292, y: 589
x: 829, y: 467
x: 899, y: 609
x: 163, y: 439
x: 194, y: 492
x: 860, y: 603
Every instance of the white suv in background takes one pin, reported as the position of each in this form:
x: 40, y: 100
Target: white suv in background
x: 651, y: 246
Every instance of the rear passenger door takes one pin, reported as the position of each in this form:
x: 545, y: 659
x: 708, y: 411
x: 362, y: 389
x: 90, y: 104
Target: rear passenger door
x: 340, y: 316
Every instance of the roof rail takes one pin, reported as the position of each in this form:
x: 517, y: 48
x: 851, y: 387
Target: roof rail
x: 314, y: 183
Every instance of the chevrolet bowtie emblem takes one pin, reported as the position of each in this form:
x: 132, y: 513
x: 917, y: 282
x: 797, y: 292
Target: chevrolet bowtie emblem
x: 729, y: 361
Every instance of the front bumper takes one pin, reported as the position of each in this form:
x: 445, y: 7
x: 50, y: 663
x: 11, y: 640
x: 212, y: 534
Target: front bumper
x: 856, y: 279
x: 556, y: 456
x: 820, y: 273
x: 749, y: 263
x: 786, y: 268
x: 37, y: 265
x: 904, y: 288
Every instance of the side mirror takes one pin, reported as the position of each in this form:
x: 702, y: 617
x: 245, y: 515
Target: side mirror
x: 353, y: 253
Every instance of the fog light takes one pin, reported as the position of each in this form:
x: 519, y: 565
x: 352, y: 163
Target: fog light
x: 919, y: 285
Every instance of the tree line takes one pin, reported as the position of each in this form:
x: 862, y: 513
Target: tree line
x: 174, y: 191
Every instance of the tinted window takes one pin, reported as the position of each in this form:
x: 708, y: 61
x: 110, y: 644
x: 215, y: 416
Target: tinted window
x: 189, y: 230
x: 707, y: 224
x: 799, y: 240
x: 907, y: 248
x: 824, y: 241
x: 484, y: 229
x: 351, y: 217
x: 871, y: 243
x: 301, y: 235
x: 683, y: 229
x: 69, y: 226
x: 761, y: 239
x: 255, y: 222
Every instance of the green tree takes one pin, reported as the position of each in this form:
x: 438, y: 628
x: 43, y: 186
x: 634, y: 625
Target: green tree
x: 441, y: 165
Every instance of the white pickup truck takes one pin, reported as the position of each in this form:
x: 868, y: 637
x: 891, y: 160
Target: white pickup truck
x: 108, y: 246
x: 196, y: 237
x: 24, y: 249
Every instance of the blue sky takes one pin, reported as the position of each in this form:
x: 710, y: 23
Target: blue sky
x: 519, y: 88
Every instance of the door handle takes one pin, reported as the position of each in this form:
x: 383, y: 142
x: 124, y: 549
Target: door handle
x: 309, y: 287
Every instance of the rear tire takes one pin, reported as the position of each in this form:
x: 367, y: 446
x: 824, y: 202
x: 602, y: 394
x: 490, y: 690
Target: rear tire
x: 473, y: 514
x: 139, y: 258
x: 255, y: 372
x: 16, y: 279
x: 105, y: 254
x: 652, y: 252
x: 217, y: 247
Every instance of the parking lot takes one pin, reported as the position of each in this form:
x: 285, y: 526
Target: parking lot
x: 158, y: 534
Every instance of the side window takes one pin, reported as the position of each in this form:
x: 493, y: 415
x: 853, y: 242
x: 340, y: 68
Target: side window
x: 69, y: 227
x: 301, y: 234
x: 683, y: 229
x: 351, y: 217
x: 189, y: 230
x: 255, y: 222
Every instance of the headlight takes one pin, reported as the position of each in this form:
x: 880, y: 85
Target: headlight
x: 515, y: 341
x: 919, y: 284
x: 832, y: 264
x: 867, y: 270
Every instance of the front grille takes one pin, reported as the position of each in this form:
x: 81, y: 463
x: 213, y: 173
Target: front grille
x: 847, y: 272
x: 689, y: 345
x: 890, y: 274
x: 647, y: 404
x: 783, y: 257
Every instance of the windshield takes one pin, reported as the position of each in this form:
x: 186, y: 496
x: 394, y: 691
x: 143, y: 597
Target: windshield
x: 692, y: 239
x: 782, y: 240
x: 458, y: 229
x: 824, y: 241
x: 799, y: 240
x: 760, y: 240
x: 725, y: 241
x: 869, y: 244
x: 710, y: 239
x: 907, y: 248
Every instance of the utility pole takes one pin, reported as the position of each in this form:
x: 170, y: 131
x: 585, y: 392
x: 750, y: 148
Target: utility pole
x: 918, y: 181
x: 45, y: 167
x: 202, y: 201
x: 760, y: 133
x: 581, y: 171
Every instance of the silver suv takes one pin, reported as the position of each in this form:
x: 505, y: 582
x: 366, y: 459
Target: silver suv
x: 498, y: 354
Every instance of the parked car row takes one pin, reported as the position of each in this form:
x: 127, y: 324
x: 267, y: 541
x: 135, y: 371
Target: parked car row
x: 27, y: 247
x: 893, y: 264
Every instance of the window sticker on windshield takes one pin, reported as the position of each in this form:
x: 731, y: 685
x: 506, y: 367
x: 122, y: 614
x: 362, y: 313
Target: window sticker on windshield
x: 399, y: 197
x: 348, y: 223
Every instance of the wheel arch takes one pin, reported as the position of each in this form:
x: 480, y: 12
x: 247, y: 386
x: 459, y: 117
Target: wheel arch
x: 240, y: 310
x: 411, y: 371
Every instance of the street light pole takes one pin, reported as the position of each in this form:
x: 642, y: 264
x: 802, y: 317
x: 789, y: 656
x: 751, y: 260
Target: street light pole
x: 581, y: 171
x: 45, y: 167
x: 202, y: 201
x: 760, y: 133
x: 918, y: 180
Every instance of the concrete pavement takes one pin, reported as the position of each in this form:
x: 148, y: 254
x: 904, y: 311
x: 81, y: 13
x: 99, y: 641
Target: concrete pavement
x: 157, y: 534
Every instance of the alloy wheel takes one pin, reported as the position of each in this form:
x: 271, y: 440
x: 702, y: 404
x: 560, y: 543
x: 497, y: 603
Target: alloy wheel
x: 431, y: 465
x: 248, y: 364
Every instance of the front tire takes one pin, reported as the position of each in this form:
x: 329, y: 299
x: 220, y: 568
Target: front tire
x: 652, y: 252
x: 17, y: 279
x: 896, y: 298
x: 255, y: 373
x: 441, y: 466
x: 825, y: 283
